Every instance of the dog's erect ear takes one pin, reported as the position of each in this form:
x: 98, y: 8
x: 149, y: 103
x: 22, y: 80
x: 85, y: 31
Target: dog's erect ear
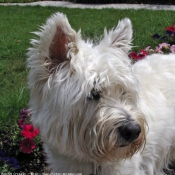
x: 57, y: 41
x: 63, y: 38
x: 58, y: 46
x: 119, y: 37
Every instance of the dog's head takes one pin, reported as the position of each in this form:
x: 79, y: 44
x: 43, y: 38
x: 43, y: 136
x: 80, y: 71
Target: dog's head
x: 84, y: 97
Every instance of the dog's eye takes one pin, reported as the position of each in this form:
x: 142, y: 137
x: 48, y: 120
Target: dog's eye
x: 124, y: 93
x: 95, y: 95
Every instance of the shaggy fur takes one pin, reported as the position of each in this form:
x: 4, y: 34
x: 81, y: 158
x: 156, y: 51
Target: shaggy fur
x: 93, y: 106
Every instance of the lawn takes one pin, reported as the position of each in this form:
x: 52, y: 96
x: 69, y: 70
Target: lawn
x: 17, y: 23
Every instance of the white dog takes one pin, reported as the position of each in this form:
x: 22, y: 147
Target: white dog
x: 98, y: 113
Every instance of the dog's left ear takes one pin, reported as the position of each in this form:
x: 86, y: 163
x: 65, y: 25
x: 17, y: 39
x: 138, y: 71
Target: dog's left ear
x: 119, y: 37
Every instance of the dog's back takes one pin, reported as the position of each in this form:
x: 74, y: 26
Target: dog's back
x: 156, y: 75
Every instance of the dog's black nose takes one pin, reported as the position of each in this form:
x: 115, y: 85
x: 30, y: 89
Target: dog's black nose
x: 129, y: 132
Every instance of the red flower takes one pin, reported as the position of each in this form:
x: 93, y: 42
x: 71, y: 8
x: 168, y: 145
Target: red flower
x: 142, y: 55
x: 171, y: 28
x: 27, y: 146
x: 139, y: 56
x: 29, y: 131
x: 133, y: 55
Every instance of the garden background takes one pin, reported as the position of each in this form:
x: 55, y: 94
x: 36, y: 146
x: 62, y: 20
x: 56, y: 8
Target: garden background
x: 16, y: 25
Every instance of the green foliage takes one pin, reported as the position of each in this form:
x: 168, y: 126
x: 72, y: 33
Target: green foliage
x: 4, y: 168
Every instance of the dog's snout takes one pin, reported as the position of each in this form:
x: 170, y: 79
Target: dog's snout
x: 129, y: 132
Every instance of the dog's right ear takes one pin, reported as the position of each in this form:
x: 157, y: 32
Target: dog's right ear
x: 63, y: 39
x: 57, y: 39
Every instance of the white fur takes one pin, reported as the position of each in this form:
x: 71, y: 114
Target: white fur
x: 79, y: 131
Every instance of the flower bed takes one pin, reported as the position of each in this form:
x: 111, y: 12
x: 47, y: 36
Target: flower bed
x: 21, y: 147
x: 166, y: 46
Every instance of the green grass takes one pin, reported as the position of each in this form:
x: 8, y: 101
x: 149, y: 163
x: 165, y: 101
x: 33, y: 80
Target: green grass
x: 16, y: 23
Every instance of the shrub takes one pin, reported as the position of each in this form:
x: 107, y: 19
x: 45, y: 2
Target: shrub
x: 167, y: 2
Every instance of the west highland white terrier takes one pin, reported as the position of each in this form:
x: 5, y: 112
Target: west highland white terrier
x: 97, y: 113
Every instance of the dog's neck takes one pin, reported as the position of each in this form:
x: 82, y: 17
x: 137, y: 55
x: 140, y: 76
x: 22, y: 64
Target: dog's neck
x: 85, y: 168
x: 96, y: 169
x: 68, y: 164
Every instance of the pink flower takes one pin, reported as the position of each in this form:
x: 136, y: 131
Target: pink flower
x: 29, y: 131
x: 149, y: 50
x: 27, y: 146
x: 172, y: 48
x: 164, y: 45
x: 158, y: 50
